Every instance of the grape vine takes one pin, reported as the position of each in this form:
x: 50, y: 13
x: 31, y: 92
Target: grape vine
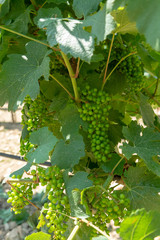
x: 85, y: 74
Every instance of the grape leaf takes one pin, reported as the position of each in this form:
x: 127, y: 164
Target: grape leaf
x: 143, y: 188
x: 85, y: 7
x: 45, y: 141
x: 124, y: 25
x: 47, y: 13
x: 141, y: 225
x: 21, y: 170
x: 20, y: 74
x: 66, y: 155
x: 4, y: 7
x: 39, y: 236
x: 102, y: 23
x: 108, y: 166
x: 144, y: 142
x: 150, y: 62
x: 73, y: 186
x: 70, y: 120
x: 70, y: 36
x: 21, y: 22
x: 146, y: 111
x: 147, y: 18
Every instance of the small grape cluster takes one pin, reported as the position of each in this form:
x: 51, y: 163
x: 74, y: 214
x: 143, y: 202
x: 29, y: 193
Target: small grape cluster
x: 95, y: 110
x: 55, y: 211
x: 19, y: 194
x: 35, y: 115
x: 130, y: 66
x: 106, y: 206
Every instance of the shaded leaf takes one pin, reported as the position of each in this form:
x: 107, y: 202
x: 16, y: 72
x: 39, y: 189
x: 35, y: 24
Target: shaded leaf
x: 70, y: 120
x: 108, y: 166
x: 66, y: 155
x: 147, y: 17
x: 48, y: 13
x: 146, y: 111
x: 141, y: 225
x: 143, y: 188
x: 21, y: 170
x: 45, y: 141
x: 73, y: 186
x: 144, y: 142
x: 85, y: 7
x: 102, y: 23
x: 20, y: 74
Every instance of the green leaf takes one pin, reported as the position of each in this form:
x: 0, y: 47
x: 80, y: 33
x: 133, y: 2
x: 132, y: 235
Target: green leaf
x: 84, y: 8
x: 59, y: 102
x: 66, y: 155
x: 147, y: 18
x: 4, y: 7
x: 151, y: 64
x: 141, y: 225
x: 145, y: 143
x: 45, y: 141
x: 73, y: 186
x: 108, y: 166
x: 124, y: 25
x: 21, y: 22
x: 70, y: 36
x: 21, y: 170
x: 72, y: 147
x: 38, y: 236
x: 48, y: 13
x: 70, y: 120
x: 147, y: 112
x: 20, y: 74
x: 143, y: 188
x: 102, y: 23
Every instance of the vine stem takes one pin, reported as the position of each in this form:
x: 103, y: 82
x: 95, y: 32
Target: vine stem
x: 122, y: 59
x: 23, y: 195
x: 73, y: 233
x: 20, y: 181
x: 61, y: 86
x: 156, y: 88
x: 109, y: 54
x: 72, y: 75
x: 30, y: 38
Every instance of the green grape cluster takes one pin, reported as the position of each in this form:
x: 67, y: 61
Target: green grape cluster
x: 106, y: 206
x: 19, y: 194
x: 55, y: 211
x: 95, y: 110
x: 35, y: 114
x: 131, y: 66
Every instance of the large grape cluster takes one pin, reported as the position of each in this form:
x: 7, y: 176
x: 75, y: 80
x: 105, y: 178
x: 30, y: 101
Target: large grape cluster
x: 130, y: 66
x: 95, y: 110
x: 19, y: 194
x: 55, y: 211
x: 106, y: 206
